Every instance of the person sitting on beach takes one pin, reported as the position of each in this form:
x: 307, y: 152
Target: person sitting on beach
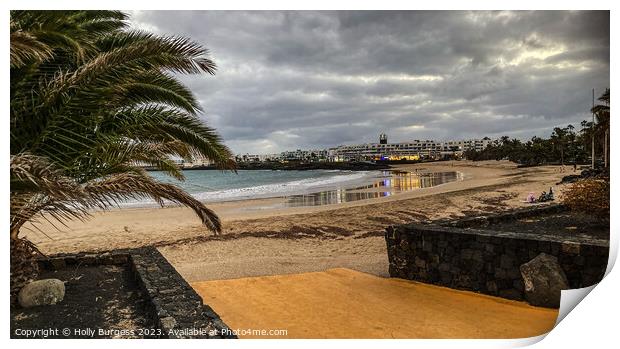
x: 550, y: 195
x: 530, y: 198
x: 542, y: 197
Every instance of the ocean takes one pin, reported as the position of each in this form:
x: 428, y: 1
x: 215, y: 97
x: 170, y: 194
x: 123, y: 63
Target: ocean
x: 301, y: 188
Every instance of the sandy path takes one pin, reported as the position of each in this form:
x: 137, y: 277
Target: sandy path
x: 341, y: 303
x: 278, y: 241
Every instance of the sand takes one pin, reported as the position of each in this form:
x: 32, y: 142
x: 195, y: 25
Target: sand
x: 342, y: 303
x: 292, y: 240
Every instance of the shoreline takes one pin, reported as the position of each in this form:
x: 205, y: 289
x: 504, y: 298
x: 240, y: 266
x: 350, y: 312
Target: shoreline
x: 256, y: 242
x: 350, y: 186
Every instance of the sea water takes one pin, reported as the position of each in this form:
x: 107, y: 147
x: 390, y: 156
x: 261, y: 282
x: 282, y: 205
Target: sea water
x: 300, y: 188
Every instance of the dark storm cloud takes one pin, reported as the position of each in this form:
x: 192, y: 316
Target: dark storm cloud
x: 319, y: 79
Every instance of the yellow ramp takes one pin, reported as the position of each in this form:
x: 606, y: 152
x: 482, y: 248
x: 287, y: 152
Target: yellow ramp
x: 343, y: 303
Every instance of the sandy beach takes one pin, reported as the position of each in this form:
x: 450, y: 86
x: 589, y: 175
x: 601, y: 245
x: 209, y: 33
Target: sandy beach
x: 258, y: 240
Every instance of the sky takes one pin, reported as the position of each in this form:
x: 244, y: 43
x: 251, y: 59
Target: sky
x: 319, y: 79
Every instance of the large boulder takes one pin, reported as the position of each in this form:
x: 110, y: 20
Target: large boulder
x: 544, y: 279
x: 41, y: 292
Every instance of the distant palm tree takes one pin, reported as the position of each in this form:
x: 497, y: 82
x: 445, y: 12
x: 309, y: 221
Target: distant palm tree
x: 601, y: 111
x: 92, y: 100
x: 559, y: 139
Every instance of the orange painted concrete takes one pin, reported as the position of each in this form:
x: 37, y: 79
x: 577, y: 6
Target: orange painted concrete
x: 343, y: 303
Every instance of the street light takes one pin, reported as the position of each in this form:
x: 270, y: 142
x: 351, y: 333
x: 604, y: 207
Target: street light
x: 592, y: 129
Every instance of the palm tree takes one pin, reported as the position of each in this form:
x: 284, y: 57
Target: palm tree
x: 601, y: 111
x: 559, y: 139
x: 91, y: 101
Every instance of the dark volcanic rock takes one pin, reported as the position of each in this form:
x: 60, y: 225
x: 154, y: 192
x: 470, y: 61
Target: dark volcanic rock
x: 544, y: 279
x: 486, y: 256
x: 600, y: 173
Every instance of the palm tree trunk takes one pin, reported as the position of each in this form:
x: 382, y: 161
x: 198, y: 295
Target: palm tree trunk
x: 24, y: 265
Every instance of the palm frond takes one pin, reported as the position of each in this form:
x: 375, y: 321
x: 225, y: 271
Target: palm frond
x: 89, y: 102
x: 26, y: 48
x: 119, y: 187
x: 150, y: 51
x: 36, y: 184
x: 39, y: 188
x: 140, y: 93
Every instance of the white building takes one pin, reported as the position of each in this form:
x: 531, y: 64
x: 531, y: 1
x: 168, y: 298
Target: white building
x: 412, y: 150
x: 197, y: 161
x: 415, y: 149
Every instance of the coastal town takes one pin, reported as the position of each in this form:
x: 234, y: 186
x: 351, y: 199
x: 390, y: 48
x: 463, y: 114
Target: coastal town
x: 382, y: 150
x: 414, y: 150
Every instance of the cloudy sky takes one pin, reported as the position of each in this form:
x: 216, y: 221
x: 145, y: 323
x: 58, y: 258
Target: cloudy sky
x: 289, y: 80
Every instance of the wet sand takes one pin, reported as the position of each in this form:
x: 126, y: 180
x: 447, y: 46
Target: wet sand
x: 272, y: 241
x: 342, y: 303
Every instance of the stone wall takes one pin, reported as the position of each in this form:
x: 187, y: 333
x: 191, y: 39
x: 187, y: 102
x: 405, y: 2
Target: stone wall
x: 486, y: 261
x: 176, y: 308
x: 179, y: 310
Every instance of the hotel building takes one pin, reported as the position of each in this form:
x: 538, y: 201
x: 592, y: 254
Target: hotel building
x: 412, y: 150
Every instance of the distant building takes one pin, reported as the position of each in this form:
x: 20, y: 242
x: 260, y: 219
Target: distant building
x: 305, y: 155
x: 182, y: 163
x: 257, y: 157
x: 383, y: 138
x: 411, y: 150
x: 197, y: 161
